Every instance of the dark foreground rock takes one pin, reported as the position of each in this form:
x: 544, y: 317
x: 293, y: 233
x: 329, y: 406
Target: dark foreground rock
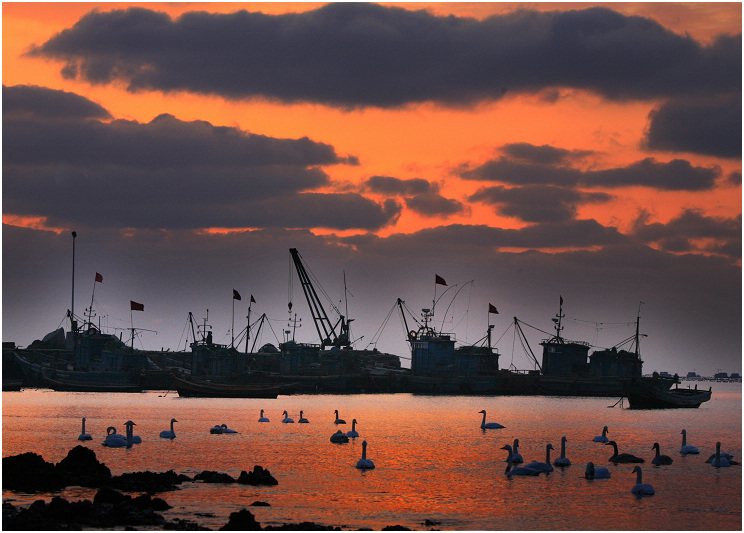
x: 109, y: 509
x: 29, y: 472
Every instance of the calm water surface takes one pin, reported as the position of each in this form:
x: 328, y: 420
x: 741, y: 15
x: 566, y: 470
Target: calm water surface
x: 433, y: 462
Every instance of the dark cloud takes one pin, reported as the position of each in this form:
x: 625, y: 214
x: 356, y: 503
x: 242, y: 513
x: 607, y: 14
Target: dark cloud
x: 543, y: 155
x: 692, y: 231
x: 708, y: 127
x: 506, y: 170
x: 676, y: 175
x: 544, y: 165
x: 169, y: 174
x: 434, y: 204
x: 537, y: 203
x: 396, y: 186
x: 45, y: 103
x: 353, y: 55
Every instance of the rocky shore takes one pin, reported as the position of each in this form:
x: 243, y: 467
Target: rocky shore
x: 111, y: 508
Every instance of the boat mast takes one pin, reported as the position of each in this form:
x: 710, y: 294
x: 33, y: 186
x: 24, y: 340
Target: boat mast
x: 73, y: 325
x: 557, y: 320
x: 637, y: 332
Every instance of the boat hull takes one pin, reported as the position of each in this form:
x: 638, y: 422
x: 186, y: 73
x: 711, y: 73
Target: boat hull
x: 642, y: 396
x: 201, y: 389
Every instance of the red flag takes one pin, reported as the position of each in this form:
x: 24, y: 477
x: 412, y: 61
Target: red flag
x: 438, y: 280
x: 492, y: 309
x: 253, y: 300
x: 135, y: 306
x: 99, y: 278
x: 236, y: 295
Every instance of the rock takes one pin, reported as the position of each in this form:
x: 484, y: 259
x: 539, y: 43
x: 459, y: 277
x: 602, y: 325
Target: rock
x: 28, y: 472
x: 243, y: 520
x: 81, y: 467
x: 259, y: 504
x: 304, y: 526
x: 259, y: 476
x: 209, y: 476
x: 147, y: 481
x: 395, y: 528
x: 110, y: 496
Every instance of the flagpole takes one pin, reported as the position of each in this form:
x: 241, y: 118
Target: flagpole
x: 72, y: 305
x: 232, y: 327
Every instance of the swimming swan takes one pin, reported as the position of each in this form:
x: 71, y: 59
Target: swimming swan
x: 166, y: 434
x: 364, y: 463
x: 338, y: 420
x: 216, y: 430
x: 603, y: 436
x: 721, y: 455
x: 519, y: 471
x: 641, y: 488
x: 262, y: 418
x: 116, y: 440
x: 302, y: 419
x: 660, y: 459
x: 622, y: 457
x: 516, y: 456
x: 339, y: 437
x: 83, y: 434
x: 225, y: 429
x: 489, y: 425
x: 596, y: 473
x: 353, y: 433
x: 721, y: 459
x: 287, y: 420
x: 562, y: 460
x: 542, y: 467
x: 685, y: 447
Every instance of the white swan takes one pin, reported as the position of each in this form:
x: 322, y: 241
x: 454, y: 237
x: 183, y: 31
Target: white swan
x: 302, y: 419
x: 116, y: 440
x: 225, y: 429
x: 685, y: 447
x: 353, y: 433
x: 641, y: 488
x: 339, y: 437
x: 287, y: 420
x: 721, y: 459
x: 216, y: 430
x: 83, y: 434
x: 489, y: 425
x: 603, y: 436
x: 542, y: 467
x: 364, y: 463
x: 338, y: 420
x: 722, y: 455
x: 519, y: 471
x: 516, y: 456
x: 562, y: 460
x: 660, y: 459
x: 166, y: 434
x: 262, y: 418
x: 622, y: 457
x: 596, y: 473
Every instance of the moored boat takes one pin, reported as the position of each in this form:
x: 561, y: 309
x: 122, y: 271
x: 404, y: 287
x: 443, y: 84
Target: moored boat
x: 189, y: 388
x: 641, y: 395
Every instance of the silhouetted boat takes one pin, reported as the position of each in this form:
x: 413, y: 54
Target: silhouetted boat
x: 189, y: 388
x: 642, y: 395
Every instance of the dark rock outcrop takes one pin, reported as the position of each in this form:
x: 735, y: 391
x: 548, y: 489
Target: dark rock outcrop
x: 210, y: 476
x: 28, y: 472
x: 259, y: 476
x: 242, y: 520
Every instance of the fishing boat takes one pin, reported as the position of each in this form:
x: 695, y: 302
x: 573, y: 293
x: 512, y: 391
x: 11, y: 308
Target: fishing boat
x: 643, y: 396
x: 567, y: 368
x: 191, y: 388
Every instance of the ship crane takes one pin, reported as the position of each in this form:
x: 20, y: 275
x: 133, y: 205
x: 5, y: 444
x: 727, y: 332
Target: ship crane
x: 330, y: 334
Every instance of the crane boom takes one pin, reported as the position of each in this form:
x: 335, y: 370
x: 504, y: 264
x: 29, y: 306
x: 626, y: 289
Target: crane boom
x: 326, y: 330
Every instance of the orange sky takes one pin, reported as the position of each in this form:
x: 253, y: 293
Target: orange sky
x: 424, y: 141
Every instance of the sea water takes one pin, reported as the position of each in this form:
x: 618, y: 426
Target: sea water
x: 435, y: 467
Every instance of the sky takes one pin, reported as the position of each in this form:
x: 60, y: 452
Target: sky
x: 523, y: 152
